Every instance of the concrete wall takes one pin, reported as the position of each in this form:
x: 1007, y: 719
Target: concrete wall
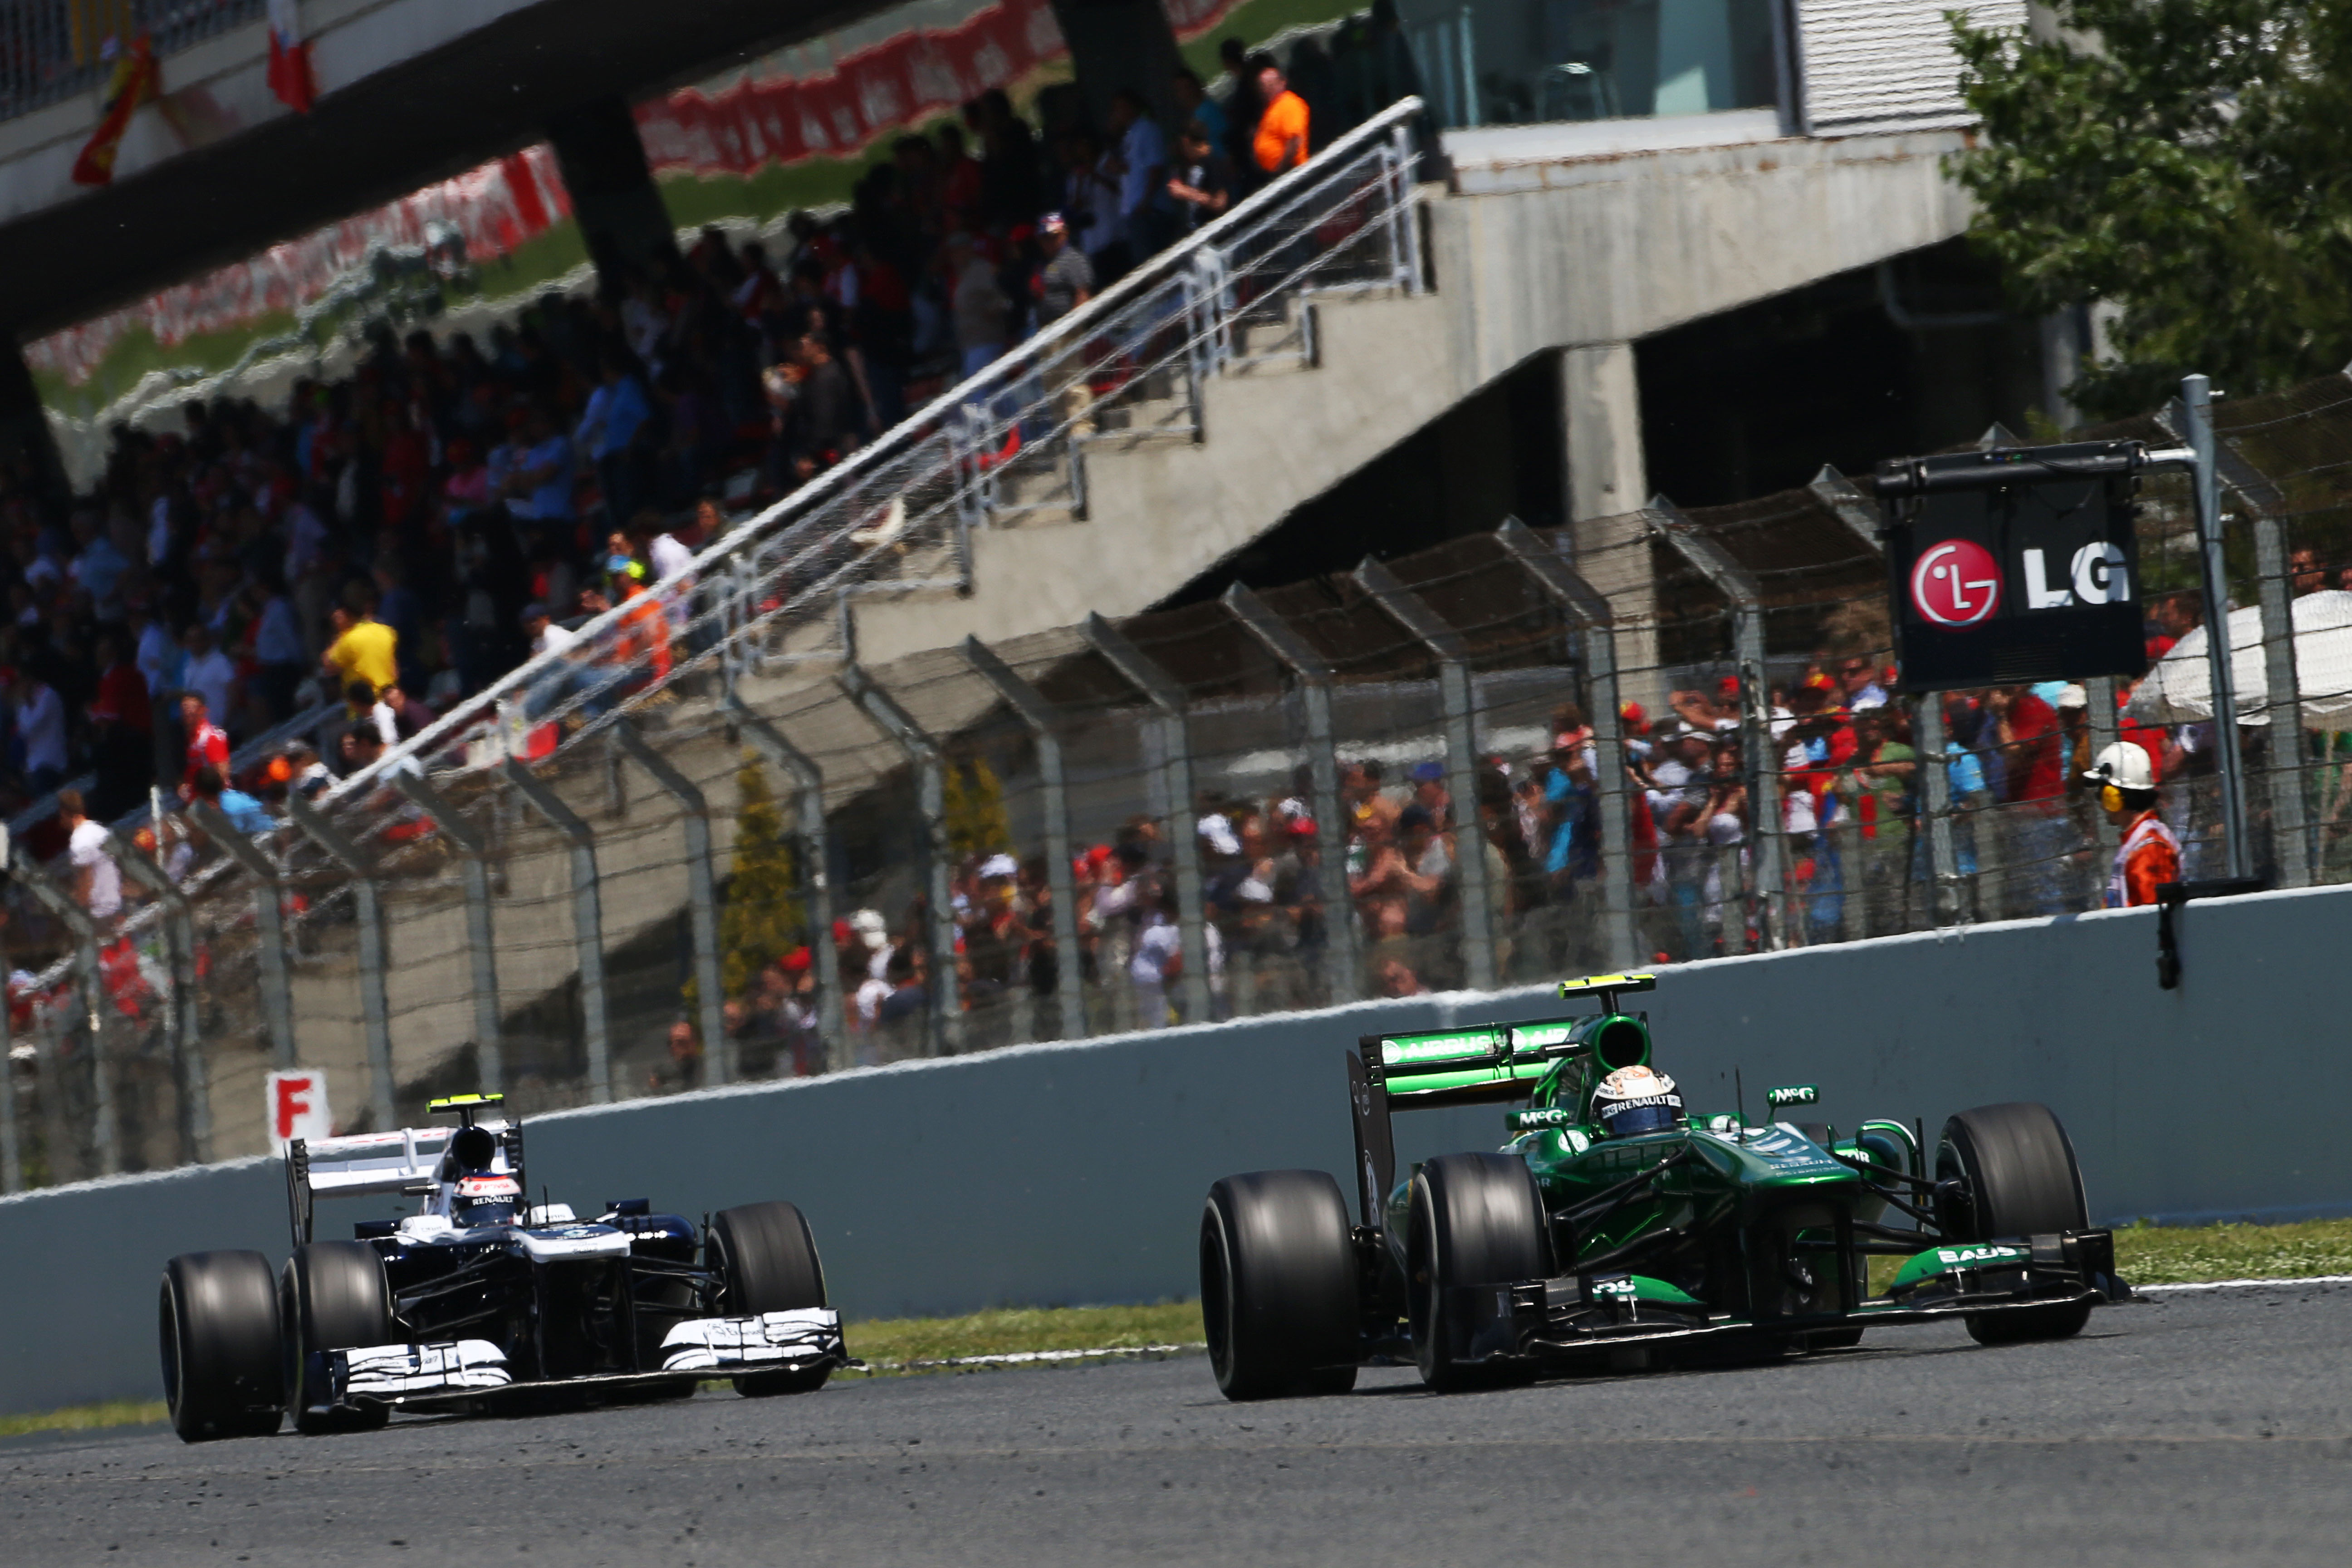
x: 1074, y: 1173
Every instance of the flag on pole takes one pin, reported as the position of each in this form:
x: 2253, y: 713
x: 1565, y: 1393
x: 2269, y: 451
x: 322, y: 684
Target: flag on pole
x: 137, y: 79
x: 290, y: 77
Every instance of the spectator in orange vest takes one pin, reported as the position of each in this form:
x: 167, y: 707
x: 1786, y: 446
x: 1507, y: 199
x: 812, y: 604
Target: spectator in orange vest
x: 1281, y: 140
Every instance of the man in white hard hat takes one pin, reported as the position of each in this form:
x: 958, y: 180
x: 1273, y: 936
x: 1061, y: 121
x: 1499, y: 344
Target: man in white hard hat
x: 2149, y: 854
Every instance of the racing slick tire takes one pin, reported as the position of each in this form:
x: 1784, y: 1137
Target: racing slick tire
x: 1278, y: 1292
x: 217, y: 1319
x: 2017, y: 1168
x: 333, y: 1297
x: 1473, y: 1219
x: 768, y: 1261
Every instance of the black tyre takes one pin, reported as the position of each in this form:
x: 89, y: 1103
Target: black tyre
x: 2015, y: 1175
x: 1278, y: 1292
x: 217, y: 1319
x: 768, y: 1261
x: 333, y: 1297
x: 1474, y: 1219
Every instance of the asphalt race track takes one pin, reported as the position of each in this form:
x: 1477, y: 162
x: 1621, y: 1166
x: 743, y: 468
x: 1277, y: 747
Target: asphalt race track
x: 2193, y: 1428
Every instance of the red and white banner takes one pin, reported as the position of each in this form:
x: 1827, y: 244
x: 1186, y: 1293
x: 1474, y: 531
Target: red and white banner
x: 496, y: 207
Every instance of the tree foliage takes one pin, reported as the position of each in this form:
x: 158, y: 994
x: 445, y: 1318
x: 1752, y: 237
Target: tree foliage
x: 2183, y: 160
x: 761, y: 920
x: 974, y: 803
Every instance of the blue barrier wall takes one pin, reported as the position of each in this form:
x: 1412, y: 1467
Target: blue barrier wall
x: 1071, y: 1173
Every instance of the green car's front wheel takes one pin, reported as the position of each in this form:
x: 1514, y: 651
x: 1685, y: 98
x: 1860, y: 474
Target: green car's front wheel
x: 1473, y: 1219
x: 2009, y: 1170
x: 1279, y: 1293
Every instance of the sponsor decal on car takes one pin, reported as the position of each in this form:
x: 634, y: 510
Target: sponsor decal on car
x: 1792, y: 1094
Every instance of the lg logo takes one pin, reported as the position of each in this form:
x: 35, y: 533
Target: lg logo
x: 1956, y: 583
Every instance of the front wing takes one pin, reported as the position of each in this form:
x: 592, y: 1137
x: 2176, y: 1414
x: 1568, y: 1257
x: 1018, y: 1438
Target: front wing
x: 1603, y: 1321
x: 466, y: 1372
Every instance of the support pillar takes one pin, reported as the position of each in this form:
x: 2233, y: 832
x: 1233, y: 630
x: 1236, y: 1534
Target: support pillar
x: 268, y: 924
x: 809, y: 849
x: 1412, y: 612
x: 1583, y: 605
x: 105, y: 1133
x: 1343, y: 963
x: 1759, y: 759
x: 1604, y: 488
x: 587, y: 925
x: 614, y: 194
x: 2291, y: 843
x: 1042, y: 721
x: 375, y: 1009
x: 182, y: 1019
x: 1117, y: 44
x: 24, y: 425
x: 12, y: 1152
x: 474, y: 849
x: 701, y: 893
x: 943, y: 991
x: 1138, y: 670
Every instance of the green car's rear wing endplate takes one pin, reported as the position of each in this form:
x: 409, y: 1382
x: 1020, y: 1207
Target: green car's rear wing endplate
x: 1482, y: 1065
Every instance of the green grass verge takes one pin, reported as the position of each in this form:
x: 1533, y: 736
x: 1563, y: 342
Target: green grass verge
x: 82, y: 1417
x: 885, y: 1342
x: 2184, y: 1255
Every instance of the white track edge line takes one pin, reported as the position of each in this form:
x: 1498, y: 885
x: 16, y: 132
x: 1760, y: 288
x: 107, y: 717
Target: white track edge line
x: 2241, y: 1284
x: 1031, y: 1358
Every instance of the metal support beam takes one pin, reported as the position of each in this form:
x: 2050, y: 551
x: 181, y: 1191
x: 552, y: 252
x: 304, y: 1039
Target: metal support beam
x: 1314, y: 675
x: 2291, y: 838
x: 942, y: 990
x: 1137, y: 668
x: 701, y: 892
x: 12, y: 1152
x: 1739, y: 586
x: 1412, y: 612
x: 2196, y: 422
x: 375, y: 1009
x: 474, y: 849
x: 105, y: 1128
x: 182, y: 1019
x: 268, y: 924
x: 810, y: 848
x: 1042, y: 719
x: 587, y: 924
x: 1613, y: 797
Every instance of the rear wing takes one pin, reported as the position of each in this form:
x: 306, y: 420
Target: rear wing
x: 1488, y: 1064
x: 408, y: 1161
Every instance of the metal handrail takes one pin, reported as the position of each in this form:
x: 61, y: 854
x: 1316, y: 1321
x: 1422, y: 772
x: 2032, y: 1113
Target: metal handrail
x: 1070, y: 331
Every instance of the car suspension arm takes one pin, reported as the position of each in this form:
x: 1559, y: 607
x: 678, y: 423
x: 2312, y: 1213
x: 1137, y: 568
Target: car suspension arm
x: 1617, y: 1256
x: 1608, y: 1200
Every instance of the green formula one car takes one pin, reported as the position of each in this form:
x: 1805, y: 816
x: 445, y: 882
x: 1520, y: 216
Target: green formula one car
x: 1614, y: 1231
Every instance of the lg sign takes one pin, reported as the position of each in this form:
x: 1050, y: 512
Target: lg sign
x: 1956, y: 582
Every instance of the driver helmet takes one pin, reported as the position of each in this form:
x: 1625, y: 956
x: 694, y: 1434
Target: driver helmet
x: 484, y: 1200
x: 1636, y: 1100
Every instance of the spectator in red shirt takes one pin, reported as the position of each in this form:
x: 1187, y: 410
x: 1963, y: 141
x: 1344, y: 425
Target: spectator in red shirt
x: 207, y: 742
x: 2027, y: 730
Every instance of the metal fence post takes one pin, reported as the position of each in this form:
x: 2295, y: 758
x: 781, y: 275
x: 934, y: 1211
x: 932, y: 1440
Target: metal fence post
x: 1314, y: 675
x: 1584, y: 605
x: 105, y: 1132
x: 1138, y: 670
x: 1408, y: 610
x: 375, y: 1009
x: 472, y: 846
x: 12, y: 1154
x: 809, y: 830
x: 2196, y: 410
x: 931, y: 787
x: 587, y: 925
x: 702, y: 896
x: 268, y: 922
x: 2290, y: 833
x: 183, y: 1020
x: 1739, y: 586
x: 1403, y: 215
x: 1035, y: 711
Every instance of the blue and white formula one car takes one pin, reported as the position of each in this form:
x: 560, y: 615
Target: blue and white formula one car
x: 482, y: 1298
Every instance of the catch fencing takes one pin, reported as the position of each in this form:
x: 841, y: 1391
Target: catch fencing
x: 51, y: 50
x: 1658, y: 737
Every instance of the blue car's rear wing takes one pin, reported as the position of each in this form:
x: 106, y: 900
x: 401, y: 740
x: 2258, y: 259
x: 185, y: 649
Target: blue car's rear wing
x: 1494, y: 1063
x: 406, y: 1161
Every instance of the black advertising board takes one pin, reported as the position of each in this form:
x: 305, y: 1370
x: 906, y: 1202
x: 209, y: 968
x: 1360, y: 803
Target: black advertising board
x: 2002, y: 573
